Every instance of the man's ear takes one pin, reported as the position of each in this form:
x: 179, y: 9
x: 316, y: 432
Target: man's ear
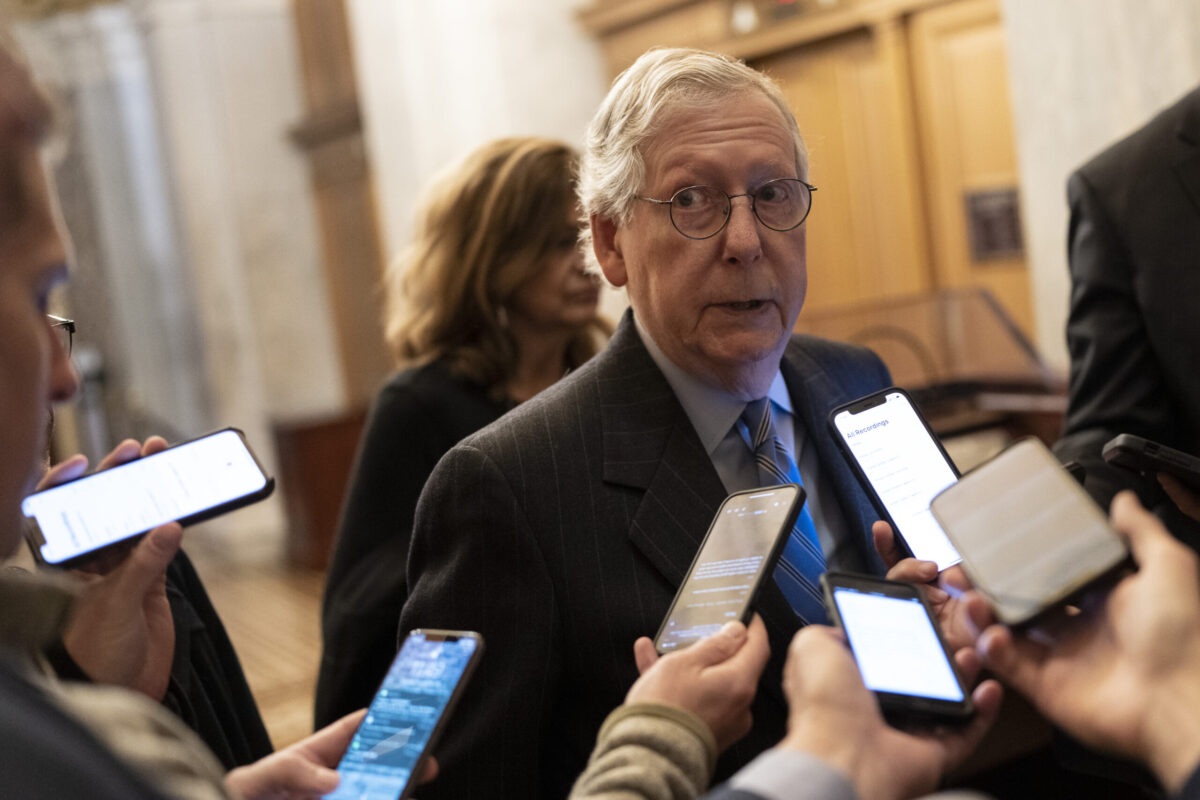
x: 606, y: 244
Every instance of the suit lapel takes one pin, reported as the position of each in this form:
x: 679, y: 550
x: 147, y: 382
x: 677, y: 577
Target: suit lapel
x: 649, y: 444
x: 1187, y: 166
x: 814, y: 395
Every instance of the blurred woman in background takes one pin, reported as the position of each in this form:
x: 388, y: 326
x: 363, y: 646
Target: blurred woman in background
x: 488, y: 306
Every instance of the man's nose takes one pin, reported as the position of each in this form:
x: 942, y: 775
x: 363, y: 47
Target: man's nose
x: 743, y: 240
x: 64, y: 377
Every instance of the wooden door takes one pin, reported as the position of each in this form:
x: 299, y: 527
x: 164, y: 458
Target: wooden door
x: 866, y: 235
x: 960, y: 82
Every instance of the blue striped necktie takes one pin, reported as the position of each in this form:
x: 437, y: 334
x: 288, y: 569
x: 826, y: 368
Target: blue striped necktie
x: 802, y: 562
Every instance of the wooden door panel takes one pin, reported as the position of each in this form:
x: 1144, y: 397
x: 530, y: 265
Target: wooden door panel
x: 960, y: 80
x: 865, y: 233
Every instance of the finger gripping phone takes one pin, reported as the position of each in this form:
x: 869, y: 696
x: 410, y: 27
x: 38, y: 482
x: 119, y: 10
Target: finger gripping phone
x: 738, y: 552
x: 902, y: 466
x: 1142, y: 455
x: 1030, y: 536
x: 408, y: 713
x: 188, y: 482
x: 899, y: 650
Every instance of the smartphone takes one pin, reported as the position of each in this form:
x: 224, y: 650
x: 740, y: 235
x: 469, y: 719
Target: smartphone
x: 408, y: 713
x: 1030, y: 536
x: 1142, y: 455
x: 740, y: 550
x: 902, y: 466
x: 189, y: 482
x: 898, y: 648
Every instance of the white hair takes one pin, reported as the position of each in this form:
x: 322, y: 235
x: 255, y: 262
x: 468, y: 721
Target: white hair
x: 642, y: 97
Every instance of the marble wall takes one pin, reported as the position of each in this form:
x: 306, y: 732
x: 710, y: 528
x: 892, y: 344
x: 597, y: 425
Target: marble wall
x: 1084, y: 73
x: 203, y: 228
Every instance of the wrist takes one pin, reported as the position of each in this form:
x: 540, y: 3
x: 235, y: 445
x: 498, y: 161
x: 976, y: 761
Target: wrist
x: 1172, y: 732
x: 844, y: 751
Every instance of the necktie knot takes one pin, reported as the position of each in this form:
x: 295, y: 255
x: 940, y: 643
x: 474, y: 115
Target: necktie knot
x: 771, y: 455
x: 758, y: 421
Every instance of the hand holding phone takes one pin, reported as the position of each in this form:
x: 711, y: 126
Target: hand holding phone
x: 714, y: 678
x: 738, y: 552
x: 1030, y: 536
x: 74, y: 522
x: 833, y: 717
x: 902, y: 466
x: 409, y: 711
x: 899, y: 650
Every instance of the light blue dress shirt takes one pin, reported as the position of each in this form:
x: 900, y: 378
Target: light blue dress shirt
x: 713, y: 413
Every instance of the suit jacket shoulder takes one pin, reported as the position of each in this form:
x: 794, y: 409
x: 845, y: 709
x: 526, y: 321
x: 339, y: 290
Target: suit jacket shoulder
x: 1147, y: 149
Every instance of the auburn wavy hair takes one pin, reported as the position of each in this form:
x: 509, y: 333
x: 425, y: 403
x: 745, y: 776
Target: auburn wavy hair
x: 485, y: 228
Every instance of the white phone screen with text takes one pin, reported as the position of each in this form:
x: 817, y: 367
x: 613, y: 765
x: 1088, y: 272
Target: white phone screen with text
x: 896, y: 645
x: 112, y: 505
x: 907, y: 470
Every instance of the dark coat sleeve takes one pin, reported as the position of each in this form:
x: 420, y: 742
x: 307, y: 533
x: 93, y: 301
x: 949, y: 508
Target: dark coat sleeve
x: 366, y: 587
x: 1117, y: 383
x: 475, y: 565
x: 207, y: 688
x: 48, y: 755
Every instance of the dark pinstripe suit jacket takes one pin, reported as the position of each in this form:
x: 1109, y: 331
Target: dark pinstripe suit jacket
x: 561, y: 532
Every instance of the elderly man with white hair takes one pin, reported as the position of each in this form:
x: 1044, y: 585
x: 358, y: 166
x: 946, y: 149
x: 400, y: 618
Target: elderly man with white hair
x: 562, y: 531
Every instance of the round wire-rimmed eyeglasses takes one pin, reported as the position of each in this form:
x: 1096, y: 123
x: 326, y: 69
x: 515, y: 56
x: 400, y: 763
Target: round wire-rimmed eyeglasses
x: 700, y: 212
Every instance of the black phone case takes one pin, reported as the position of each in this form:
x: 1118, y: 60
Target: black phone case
x: 1143, y: 455
x: 1100, y: 579
x: 870, y: 401
x: 903, y: 710
x: 35, y: 539
x: 772, y: 556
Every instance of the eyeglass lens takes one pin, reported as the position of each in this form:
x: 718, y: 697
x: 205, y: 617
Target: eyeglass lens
x: 64, y: 329
x: 701, y: 211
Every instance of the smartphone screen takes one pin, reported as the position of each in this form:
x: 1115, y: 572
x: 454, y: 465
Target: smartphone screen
x: 1029, y: 534
x: 896, y: 645
x: 904, y: 467
x: 741, y: 546
x: 417, y: 693
x: 179, y: 483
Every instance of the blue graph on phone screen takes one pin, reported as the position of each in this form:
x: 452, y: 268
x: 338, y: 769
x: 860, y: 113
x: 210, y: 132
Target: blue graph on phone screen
x: 385, y: 750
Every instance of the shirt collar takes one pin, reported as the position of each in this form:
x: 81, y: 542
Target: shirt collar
x: 711, y: 411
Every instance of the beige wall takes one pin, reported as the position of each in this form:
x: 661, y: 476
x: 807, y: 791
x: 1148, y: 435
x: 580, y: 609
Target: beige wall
x: 1084, y: 73
x: 437, y: 79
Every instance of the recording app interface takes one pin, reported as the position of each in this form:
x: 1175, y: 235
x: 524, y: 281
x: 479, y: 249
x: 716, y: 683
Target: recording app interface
x: 729, y: 566
x: 895, y: 645
x: 112, y: 505
x: 401, y: 718
x: 904, y: 466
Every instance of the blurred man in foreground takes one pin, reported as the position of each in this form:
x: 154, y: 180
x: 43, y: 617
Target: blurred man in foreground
x: 78, y: 740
